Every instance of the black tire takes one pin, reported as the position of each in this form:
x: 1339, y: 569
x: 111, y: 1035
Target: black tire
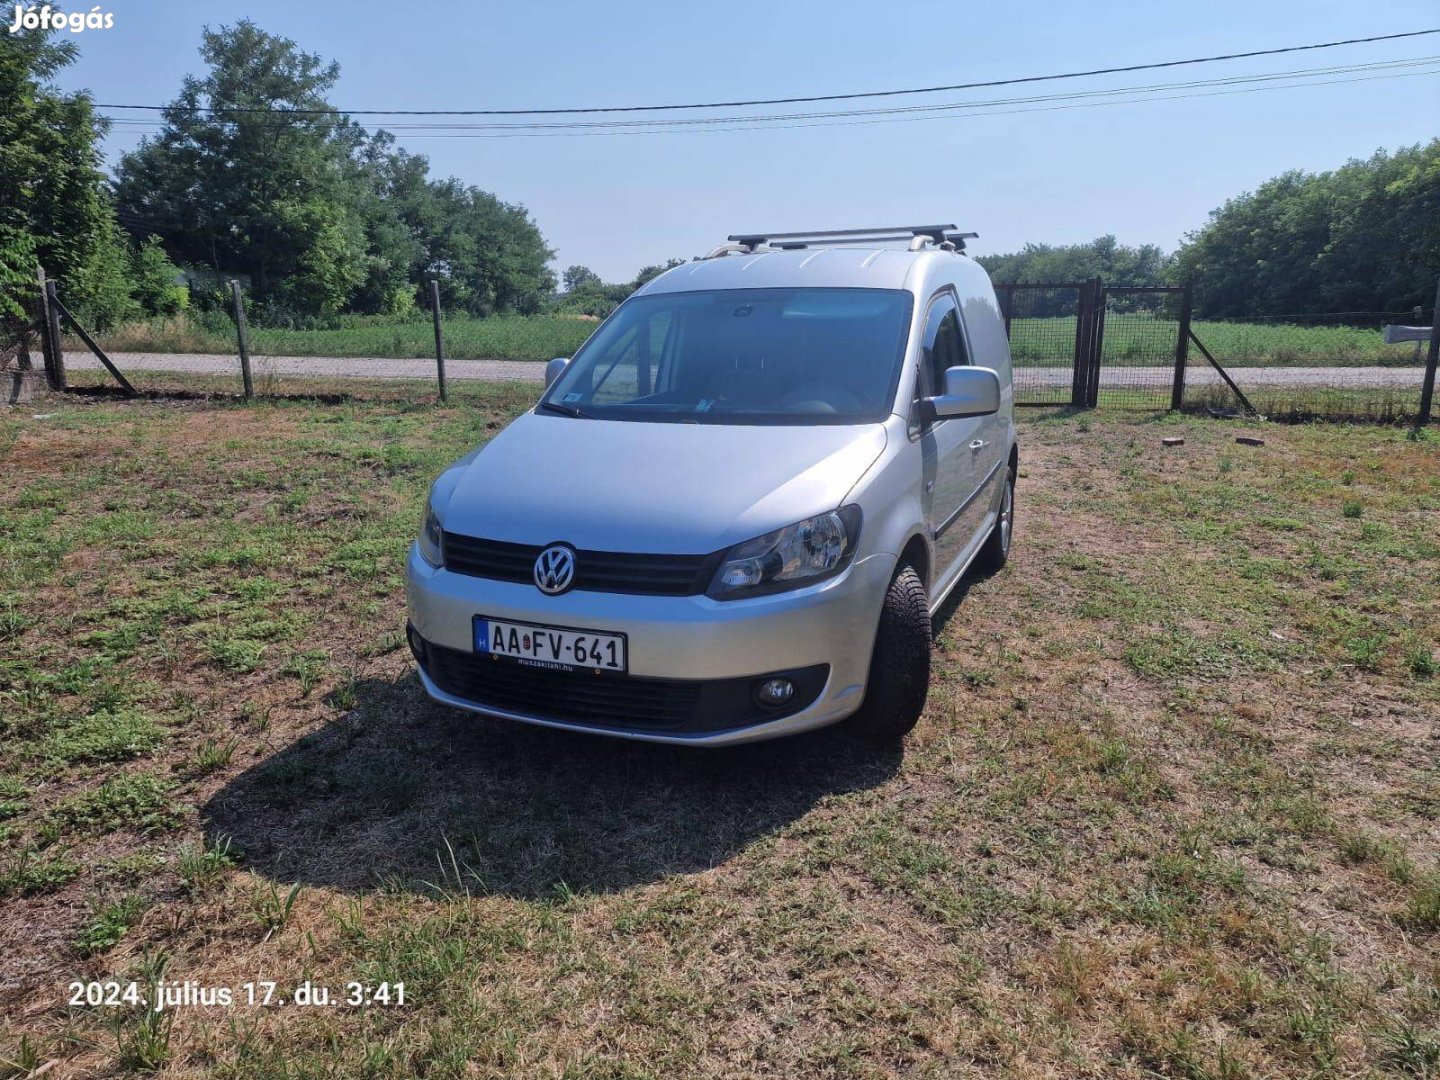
x: 900, y: 665
x: 996, y: 551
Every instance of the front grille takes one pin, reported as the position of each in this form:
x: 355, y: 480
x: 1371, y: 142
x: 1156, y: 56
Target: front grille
x: 610, y: 701
x: 563, y: 695
x: 595, y: 571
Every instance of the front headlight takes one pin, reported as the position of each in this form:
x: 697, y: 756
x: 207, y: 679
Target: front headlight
x: 432, y: 538
x: 789, y: 558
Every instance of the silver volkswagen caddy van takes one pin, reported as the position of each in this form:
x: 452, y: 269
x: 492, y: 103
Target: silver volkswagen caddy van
x: 734, y: 512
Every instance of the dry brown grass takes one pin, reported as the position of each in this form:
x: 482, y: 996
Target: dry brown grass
x: 1172, y: 811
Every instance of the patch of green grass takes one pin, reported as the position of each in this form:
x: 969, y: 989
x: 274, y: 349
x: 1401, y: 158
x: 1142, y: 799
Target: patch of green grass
x: 1422, y: 909
x: 101, y: 736
x: 1420, y: 659
x: 235, y: 654
x: 498, y: 337
x: 133, y: 799
x: 13, y: 794
x: 213, y: 754
x: 201, y: 866
x: 33, y: 872
x: 108, y: 924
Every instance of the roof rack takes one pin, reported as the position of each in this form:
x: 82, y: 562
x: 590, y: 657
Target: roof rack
x: 918, y: 235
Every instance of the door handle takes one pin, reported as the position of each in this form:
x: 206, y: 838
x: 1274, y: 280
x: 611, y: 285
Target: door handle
x: 929, y: 486
x: 978, y: 444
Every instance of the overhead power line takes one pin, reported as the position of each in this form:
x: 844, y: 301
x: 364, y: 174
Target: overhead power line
x: 218, y: 110
x: 895, y: 114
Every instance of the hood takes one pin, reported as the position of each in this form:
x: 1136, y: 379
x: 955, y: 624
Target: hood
x: 689, y: 489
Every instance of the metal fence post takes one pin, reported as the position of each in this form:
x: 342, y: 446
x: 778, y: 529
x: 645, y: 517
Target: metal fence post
x: 46, y: 359
x: 439, y: 341
x: 1182, y: 350
x: 239, y: 304
x: 1097, y: 343
x: 56, y: 367
x: 1427, y: 389
x: 1084, y: 321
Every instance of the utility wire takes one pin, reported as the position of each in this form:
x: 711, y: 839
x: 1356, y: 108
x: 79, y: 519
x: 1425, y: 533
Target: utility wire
x: 217, y: 110
x: 1138, y: 95
x: 895, y: 110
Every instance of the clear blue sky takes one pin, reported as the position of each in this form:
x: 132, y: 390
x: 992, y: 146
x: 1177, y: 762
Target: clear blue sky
x: 1146, y: 172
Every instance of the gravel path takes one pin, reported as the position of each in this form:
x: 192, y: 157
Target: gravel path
x: 534, y: 371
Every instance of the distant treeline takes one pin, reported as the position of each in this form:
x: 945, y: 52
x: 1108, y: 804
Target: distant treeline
x: 1365, y: 237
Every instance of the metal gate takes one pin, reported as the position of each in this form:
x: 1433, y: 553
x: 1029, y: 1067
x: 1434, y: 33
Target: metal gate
x: 1083, y: 343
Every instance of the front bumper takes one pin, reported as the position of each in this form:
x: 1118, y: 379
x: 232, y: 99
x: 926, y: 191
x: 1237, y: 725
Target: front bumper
x: 689, y: 639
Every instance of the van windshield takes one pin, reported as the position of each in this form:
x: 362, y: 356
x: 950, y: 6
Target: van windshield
x: 742, y: 356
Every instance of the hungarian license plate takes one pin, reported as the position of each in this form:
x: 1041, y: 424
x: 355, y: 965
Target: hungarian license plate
x: 563, y: 648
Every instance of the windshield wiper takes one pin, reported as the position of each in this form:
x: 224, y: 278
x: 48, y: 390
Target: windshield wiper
x: 564, y: 410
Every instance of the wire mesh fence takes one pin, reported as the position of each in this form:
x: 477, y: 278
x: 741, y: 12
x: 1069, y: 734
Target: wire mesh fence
x: 1335, y: 366
x: 1140, y: 329
x: 1043, y: 322
x: 1072, y: 343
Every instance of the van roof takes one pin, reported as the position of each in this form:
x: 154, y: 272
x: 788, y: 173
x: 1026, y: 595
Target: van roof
x: 819, y: 267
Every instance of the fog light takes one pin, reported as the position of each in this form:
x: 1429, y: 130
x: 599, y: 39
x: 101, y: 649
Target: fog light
x: 773, y: 693
x: 417, y: 643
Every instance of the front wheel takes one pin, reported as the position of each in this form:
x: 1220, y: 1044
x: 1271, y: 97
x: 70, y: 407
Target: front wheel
x: 997, y: 545
x: 900, y: 665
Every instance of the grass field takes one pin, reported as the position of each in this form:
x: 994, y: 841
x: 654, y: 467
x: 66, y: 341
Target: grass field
x: 1139, y: 339
x: 500, y: 337
x: 1174, y: 809
x: 1129, y: 339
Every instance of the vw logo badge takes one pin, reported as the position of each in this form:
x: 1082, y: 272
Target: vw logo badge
x: 555, y: 569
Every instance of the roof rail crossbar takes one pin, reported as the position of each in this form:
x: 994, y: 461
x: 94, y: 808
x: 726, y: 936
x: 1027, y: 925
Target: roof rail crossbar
x: 834, y: 234
x: 917, y: 235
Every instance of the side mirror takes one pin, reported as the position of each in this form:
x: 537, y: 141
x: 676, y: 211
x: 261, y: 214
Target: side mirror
x: 969, y: 391
x: 554, y: 368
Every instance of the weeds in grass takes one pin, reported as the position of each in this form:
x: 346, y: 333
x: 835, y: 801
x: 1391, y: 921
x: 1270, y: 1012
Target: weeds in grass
x: 213, y: 754
x: 138, y: 799
x: 1422, y: 910
x: 270, y: 909
x: 108, y: 923
x: 1420, y: 659
x: 309, y: 668
x: 142, y: 1035
x: 23, y: 1062
x: 1352, y: 508
x: 235, y: 654
x: 102, y: 736
x: 201, y: 866
x: 1366, y: 651
x: 1408, y: 1051
x: 33, y: 872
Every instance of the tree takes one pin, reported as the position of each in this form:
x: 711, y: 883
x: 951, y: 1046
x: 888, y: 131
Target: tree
x: 577, y: 277
x: 1365, y: 237
x: 488, y: 255
x: 1114, y: 263
x: 54, y: 210
x: 159, y: 289
x: 319, y: 215
x: 229, y: 184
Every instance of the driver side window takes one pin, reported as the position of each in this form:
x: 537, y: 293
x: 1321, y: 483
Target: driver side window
x: 944, y: 342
